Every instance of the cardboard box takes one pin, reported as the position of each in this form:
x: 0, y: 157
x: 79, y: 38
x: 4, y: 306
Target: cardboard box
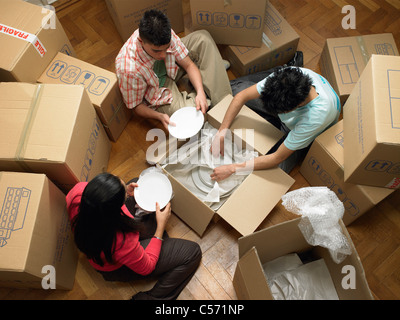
x: 51, y: 129
x: 233, y: 22
x: 101, y: 86
x: 126, y: 14
x: 371, y: 118
x: 30, y: 37
x: 268, y: 244
x: 248, y: 205
x: 279, y: 45
x: 34, y: 233
x: 344, y: 59
x: 324, y: 166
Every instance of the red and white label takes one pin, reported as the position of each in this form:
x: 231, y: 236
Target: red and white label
x: 394, y: 184
x: 10, y: 31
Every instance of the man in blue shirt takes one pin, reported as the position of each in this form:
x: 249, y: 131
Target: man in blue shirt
x: 298, y: 101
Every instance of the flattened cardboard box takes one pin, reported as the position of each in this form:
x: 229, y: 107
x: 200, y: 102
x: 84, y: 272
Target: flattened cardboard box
x: 257, y: 195
x: 101, y: 86
x: 30, y: 37
x: 324, y: 166
x: 34, y: 233
x: 371, y: 118
x: 344, y: 59
x: 126, y: 14
x: 279, y: 45
x: 233, y: 22
x: 51, y: 129
x: 268, y: 244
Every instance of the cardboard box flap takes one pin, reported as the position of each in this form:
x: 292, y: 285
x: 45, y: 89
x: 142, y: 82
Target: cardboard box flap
x: 288, y: 235
x: 249, y: 281
x: 257, y: 195
x: 26, y: 18
x: 265, y: 134
x: 185, y: 209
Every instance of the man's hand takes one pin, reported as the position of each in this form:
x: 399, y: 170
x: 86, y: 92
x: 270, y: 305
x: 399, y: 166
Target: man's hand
x: 165, y: 120
x: 223, y: 172
x: 201, y: 102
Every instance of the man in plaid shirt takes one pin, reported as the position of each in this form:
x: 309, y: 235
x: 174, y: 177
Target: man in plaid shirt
x: 154, y: 58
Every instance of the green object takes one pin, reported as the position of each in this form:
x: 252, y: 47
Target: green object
x: 161, y: 71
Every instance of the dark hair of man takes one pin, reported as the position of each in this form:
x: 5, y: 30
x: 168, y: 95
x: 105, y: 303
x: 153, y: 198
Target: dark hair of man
x: 285, y: 90
x: 155, y: 28
x: 100, y: 217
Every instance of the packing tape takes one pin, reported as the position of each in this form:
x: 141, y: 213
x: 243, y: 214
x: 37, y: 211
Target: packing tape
x: 363, y: 49
x: 26, y: 36
x: 21, y: 148
x: 267, y: 41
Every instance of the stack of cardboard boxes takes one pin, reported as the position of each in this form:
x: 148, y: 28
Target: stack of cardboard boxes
x: 58, y: 114
x: 51, y: 138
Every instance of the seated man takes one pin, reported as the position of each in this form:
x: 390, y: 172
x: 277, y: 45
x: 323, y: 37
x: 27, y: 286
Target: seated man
x: 298, y: 100
x: 154, y: 58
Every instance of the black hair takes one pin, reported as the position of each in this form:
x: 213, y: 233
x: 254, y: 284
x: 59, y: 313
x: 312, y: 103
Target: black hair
x: 285, y: 90
x: 100, y: 217
x: 155, y: 28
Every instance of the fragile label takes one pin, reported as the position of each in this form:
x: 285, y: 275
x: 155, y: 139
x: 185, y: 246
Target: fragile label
x: 394, y: 184
x: 10, y: 31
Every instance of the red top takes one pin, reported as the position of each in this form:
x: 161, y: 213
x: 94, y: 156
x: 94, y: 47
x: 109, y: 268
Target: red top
x: 128, y: 251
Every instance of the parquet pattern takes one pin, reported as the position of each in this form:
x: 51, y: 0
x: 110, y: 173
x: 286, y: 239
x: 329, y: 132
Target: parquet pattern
x: 376, y: 234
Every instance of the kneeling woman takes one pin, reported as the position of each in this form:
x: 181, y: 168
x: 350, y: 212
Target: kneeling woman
x: 124, y: 248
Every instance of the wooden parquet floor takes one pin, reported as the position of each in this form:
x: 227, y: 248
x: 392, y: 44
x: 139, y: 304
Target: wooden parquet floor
x: 376, y: 235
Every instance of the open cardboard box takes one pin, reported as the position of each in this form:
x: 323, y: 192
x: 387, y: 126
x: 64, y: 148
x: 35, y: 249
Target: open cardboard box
x: 258, y: 194
x: 371, y: 118
x: 268, y: 244
x: 324, y: 166
x: 34, y: 233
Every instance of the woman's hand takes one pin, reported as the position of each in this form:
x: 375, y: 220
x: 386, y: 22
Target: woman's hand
x: 162, y: 216
x: 130, y: 188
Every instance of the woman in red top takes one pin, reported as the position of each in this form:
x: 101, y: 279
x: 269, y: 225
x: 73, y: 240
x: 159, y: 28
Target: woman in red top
x: 124, y: 248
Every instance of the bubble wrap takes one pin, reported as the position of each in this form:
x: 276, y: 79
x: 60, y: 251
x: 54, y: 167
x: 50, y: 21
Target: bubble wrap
x: 321, y: 210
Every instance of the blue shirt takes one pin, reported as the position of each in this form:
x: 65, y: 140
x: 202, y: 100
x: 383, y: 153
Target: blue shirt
x: 307, y: 122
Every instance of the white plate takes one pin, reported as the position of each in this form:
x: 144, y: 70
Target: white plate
x: 153, y: 187
x: 188, y: 122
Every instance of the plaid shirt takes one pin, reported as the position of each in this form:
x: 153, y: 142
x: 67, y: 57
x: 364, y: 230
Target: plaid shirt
x: 134, y: 68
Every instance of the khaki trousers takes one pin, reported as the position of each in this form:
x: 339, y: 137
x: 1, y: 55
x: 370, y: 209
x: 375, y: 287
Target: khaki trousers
x: 204, y: 53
